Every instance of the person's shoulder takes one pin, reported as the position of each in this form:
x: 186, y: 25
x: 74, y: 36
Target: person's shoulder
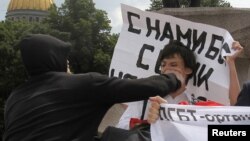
x: 98, y: 76
x: 63, y: 74
x: 72, y: 77
x: 91, y: 76
x: 95, y: 74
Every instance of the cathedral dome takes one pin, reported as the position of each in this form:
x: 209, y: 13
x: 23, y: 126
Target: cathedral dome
x: 42, y: 5
x: 29, y: 10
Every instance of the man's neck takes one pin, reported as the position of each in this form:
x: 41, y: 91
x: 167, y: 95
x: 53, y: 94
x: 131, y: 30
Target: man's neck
x: 174, y: 95
x: 177, y: 93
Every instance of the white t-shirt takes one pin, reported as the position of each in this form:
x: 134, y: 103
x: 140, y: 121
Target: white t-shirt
x: 134, y: 109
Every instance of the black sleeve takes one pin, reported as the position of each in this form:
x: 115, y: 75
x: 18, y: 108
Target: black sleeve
x: 244, y: 96
x: 115, y: 90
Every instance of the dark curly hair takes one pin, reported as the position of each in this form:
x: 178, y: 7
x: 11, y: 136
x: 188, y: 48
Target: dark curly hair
x: 176, y: 47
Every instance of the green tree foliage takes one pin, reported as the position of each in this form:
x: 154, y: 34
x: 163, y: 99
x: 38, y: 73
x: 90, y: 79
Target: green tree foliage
x: 12, y: 72
x: 76, y: 21
x: 89, y: 32
x: 215, y: 3
x: 157, y: 4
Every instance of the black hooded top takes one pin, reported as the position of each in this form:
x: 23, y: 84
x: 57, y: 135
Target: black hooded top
x: 44, y: 53
x: 55, y: 105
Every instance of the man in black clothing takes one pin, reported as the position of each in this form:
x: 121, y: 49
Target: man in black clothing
x: 56, y: 105
x: 244, y: 96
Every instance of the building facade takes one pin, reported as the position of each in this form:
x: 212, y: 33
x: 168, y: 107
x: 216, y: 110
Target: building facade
x: 28, y: 10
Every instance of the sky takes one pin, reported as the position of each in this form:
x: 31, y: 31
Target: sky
x: 112, y: 7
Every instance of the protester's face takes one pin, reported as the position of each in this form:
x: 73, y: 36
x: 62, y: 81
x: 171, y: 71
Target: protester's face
x: 175, y: 64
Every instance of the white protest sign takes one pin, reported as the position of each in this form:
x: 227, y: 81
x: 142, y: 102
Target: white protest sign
x: 190, y: 123
x: 143, y: 36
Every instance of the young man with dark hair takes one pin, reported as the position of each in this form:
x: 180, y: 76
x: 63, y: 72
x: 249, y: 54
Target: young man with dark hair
x: 175, y: 58
x: 234, y: 88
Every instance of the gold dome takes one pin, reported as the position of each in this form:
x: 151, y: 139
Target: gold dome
x: 42, y: 5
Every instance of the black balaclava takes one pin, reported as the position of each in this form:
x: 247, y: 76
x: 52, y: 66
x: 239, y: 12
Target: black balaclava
x: 44, y: 53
